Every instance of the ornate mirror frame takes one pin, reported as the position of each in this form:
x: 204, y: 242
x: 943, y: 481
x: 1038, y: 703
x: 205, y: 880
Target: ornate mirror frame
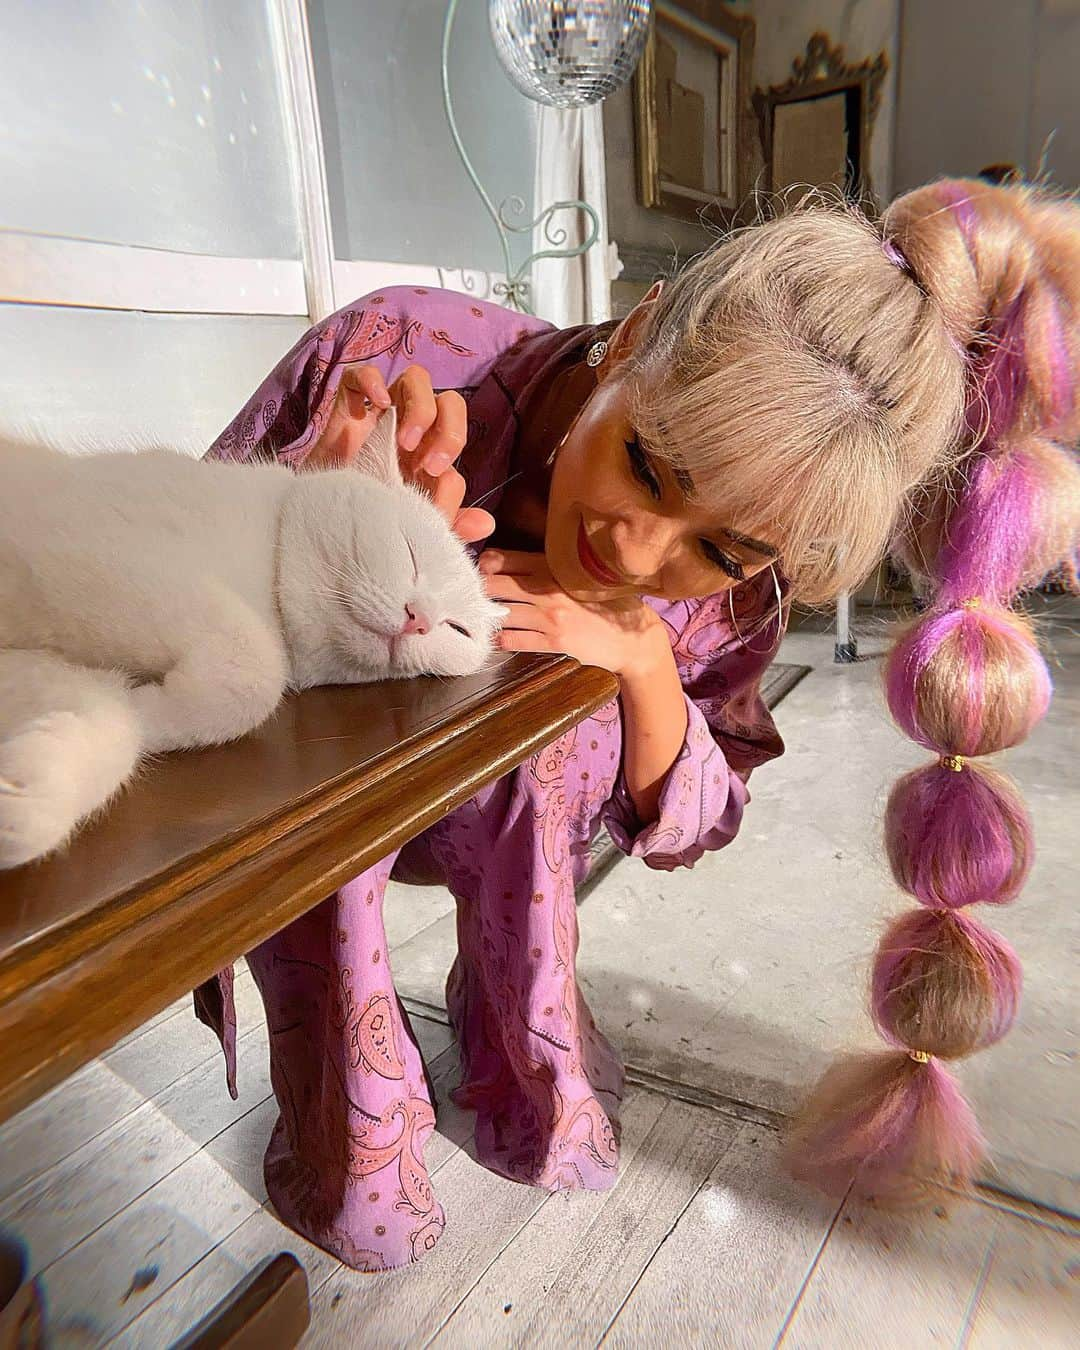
x: 823, y: 70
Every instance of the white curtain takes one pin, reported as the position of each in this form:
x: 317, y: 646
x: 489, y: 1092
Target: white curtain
x: 569, y: 165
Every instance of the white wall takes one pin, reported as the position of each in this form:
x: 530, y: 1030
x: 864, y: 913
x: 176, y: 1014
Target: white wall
x: 988, y: 81
x: 862, y: 27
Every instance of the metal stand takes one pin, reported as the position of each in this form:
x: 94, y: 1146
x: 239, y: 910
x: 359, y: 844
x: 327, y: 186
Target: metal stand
x: 846, y: 649
x: 515, y: 289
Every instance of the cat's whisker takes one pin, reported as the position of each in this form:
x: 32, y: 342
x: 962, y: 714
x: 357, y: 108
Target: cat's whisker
x: 497, y: 488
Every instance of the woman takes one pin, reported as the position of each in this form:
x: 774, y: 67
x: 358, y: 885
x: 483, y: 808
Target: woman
x: 659, y: 489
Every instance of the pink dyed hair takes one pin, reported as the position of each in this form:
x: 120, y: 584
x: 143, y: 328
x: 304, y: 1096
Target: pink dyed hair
x: 966, y: 679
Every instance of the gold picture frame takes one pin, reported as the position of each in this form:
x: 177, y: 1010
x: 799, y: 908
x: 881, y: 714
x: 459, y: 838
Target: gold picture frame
x: 821, y: 72
x: 693, y: 119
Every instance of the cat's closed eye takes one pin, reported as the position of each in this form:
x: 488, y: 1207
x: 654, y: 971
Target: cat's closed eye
x: 458, y: 629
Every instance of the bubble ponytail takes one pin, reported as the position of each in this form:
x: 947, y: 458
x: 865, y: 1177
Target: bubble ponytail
x: 965, y: 680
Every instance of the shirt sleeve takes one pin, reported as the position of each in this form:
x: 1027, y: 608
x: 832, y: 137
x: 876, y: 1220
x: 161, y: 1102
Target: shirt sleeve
x: 455, y: 338
x: 729, y: 733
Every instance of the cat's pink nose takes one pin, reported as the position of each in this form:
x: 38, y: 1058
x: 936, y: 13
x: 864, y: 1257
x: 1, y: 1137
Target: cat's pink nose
x: 415, y: 622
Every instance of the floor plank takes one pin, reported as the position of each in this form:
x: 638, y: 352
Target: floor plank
x: 108, y: 1089
x: 407, y: 1307
x: 193, y: 1276
x: 737, y: 1259
x: 670, y: 1167
x: 1031, y: 1290
x: 514, y: 1286
x: 102, y: 1284
x: 177, y: 1309
x: 888, y: 1279
x: 71, y: 1200
x: 408, y: 910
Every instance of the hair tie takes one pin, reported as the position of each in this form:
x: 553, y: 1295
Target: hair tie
x: 919, y: 1056
x: 954, y: 762
x: 899, y: 258
x: 896, y: 256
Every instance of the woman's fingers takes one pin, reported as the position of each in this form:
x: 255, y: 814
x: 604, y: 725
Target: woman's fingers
x: 417, y: 409
x: 523, y: 617
x: 431, y: 427
x: 432, y: 430
x: 447, y: 491
x: 361, y: 396
x: 445, y: 439
x: 520, y: 640
x: 514, y: 563
x: 526, y: 589
x: 472, y: 524
x: 367, y: 381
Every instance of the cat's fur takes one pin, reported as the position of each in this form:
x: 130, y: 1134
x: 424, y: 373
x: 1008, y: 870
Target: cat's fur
x: 153, y: 602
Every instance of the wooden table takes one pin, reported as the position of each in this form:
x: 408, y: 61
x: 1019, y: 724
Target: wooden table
x: 211, y: 852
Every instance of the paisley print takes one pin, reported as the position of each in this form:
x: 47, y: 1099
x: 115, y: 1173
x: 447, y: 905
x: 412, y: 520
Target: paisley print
x: 442, y: 338
x: 372, y: 1039
x: 345, y: 1163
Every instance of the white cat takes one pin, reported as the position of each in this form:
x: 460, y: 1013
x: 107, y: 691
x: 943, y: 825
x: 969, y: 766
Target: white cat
x: 152, y: 602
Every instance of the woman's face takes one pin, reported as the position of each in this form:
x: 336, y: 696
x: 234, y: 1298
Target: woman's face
x: 620, y: 523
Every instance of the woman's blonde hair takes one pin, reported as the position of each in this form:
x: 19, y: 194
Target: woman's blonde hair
x: 806, y: 385
x: 838, y: 384
x: 811, y: 373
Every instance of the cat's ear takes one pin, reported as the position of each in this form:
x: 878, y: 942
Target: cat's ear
x: 379, y: 454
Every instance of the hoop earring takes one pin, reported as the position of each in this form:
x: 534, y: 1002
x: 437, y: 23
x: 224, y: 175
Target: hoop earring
x: 734, y: 621
x: 779, y: 605
x: 577, y: 416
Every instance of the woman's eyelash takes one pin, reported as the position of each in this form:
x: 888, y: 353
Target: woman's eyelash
x: 643, y: 470
x: 721, y: 560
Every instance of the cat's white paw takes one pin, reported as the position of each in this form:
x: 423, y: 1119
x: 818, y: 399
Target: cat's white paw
x: 38, y: 800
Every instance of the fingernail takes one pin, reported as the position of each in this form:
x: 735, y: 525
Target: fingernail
x: 410, y: 438
x: 437, y: 462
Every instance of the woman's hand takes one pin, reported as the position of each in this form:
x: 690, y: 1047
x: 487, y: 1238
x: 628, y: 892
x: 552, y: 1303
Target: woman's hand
x: 431, y: 436
x: 625, y: 637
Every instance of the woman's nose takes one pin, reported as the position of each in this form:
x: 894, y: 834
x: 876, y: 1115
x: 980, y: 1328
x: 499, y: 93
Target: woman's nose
x: 643, y: 547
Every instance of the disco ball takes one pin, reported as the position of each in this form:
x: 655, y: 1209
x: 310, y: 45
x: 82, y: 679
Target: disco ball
x: 568, y: 53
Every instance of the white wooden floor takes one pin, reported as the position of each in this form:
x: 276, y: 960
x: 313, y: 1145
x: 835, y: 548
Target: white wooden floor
x: 137, y: 1188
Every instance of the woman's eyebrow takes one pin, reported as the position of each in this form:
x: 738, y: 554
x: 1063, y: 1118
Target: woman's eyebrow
x: 686, y: 484
x: 766, y: 550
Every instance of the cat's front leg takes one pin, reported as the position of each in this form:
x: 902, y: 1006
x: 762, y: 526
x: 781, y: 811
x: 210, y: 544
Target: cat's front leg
x: 68, y: 743
x: 225, y: 684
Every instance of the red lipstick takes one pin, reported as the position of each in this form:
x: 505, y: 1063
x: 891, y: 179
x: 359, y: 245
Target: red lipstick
x: 591, y: 563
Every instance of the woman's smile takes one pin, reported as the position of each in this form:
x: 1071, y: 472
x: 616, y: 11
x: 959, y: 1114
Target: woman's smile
x: 592, y: 563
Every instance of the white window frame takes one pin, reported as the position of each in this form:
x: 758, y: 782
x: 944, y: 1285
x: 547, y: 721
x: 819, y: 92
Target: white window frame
x: 38, y: 269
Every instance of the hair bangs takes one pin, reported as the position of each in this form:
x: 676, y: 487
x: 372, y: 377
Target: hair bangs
x: 772, y: 459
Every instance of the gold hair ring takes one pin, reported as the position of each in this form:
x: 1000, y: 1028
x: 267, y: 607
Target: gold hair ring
x: 596, y: 354
x: 972, y: 603
x: 954, y: 762
x: 919, y: 1056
